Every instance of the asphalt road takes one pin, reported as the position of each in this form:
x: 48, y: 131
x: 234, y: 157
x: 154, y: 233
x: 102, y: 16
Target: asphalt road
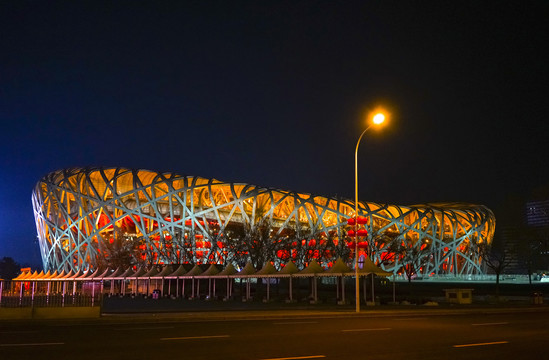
x: 417, y: 336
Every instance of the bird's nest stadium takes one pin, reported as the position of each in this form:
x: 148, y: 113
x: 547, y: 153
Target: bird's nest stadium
x: 85, y: 217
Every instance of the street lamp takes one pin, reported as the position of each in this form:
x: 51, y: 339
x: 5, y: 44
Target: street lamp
x: 377, y: 120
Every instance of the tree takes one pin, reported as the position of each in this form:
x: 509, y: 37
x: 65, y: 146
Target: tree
x: 9, y: 269
x: 384, y: 243
x: 326, y: 247
x: 497, y: 258
x: 298, y: 245
x: 236, y: 248
x: 184, y: 246
x: 303, y: 245
x: 255, y: 243
x: 341, y: 250
x: 121, y: 251
x: 410, y: 255
x: 527, y: 249
x: 534, y: 249
x: 217, y: 254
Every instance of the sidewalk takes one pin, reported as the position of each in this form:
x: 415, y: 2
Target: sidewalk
x: 276, y: 311
x: 166, y: 309
x: 298, y: 312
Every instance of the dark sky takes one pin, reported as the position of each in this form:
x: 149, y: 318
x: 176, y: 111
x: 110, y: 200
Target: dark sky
x: 274, y: 93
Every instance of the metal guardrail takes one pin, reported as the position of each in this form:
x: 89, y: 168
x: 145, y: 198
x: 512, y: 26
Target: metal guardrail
x: 506, y: 278
x: 10, y: 300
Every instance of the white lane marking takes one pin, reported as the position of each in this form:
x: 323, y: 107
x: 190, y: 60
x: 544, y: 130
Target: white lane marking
x: 145, y: 328
x: 488, y: 324
x: 482, y: 344
x: 196, y: 337
x: 374, y: 329
x: 298, y: 357
x: 33, y: 344
x: 295, y: 322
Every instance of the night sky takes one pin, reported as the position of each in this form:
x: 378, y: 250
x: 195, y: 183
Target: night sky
x: 275, y: 93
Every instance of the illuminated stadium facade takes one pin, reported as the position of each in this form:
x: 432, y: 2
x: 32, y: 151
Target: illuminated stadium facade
x: 171, y: 219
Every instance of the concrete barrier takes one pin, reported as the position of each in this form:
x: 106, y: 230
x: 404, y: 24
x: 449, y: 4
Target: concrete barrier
x: 15, y: 313
x: 50, y: 313
x: 66, y: 312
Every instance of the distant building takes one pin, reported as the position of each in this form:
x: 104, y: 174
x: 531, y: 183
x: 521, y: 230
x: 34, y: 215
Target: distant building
x: 537, y: 233
x: 513, y: 238
x: 537, y: 213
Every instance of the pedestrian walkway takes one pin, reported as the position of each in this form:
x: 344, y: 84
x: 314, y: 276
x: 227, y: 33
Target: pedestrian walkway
x: 276, y: 311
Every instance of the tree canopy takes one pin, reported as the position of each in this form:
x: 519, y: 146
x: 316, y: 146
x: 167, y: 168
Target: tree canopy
x: 9, y: 269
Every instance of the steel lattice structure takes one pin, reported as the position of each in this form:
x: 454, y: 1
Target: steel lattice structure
x: 75, y: 209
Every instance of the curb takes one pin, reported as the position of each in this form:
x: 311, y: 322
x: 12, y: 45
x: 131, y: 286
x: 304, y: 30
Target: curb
x: 308, y: 314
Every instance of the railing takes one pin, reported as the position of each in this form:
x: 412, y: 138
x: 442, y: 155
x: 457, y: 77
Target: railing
x: 506, y: 278
x: 11, y: 300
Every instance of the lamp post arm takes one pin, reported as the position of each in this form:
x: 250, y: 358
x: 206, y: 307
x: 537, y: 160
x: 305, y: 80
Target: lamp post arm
x: 360, y: 138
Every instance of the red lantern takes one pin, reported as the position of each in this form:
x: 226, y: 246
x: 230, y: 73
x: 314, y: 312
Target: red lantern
x: 350, y: 221
x: 362, y: 220
x: 363, y: 245
x: 189, y: 222
x: 362, y: 232
x: 360, y: 245
x: 351, y: 233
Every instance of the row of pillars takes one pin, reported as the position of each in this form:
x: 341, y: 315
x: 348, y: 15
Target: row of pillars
x: 61, y: 286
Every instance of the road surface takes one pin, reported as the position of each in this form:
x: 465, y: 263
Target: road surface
x: 422, y: 336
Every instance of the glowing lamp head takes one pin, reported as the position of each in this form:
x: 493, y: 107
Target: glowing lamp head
x: 379, y: 118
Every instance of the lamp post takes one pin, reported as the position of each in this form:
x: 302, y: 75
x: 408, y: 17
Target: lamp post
x: 378, y: 119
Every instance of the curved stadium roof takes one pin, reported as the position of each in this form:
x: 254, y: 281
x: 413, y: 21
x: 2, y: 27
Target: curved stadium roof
x: 189, y: 219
